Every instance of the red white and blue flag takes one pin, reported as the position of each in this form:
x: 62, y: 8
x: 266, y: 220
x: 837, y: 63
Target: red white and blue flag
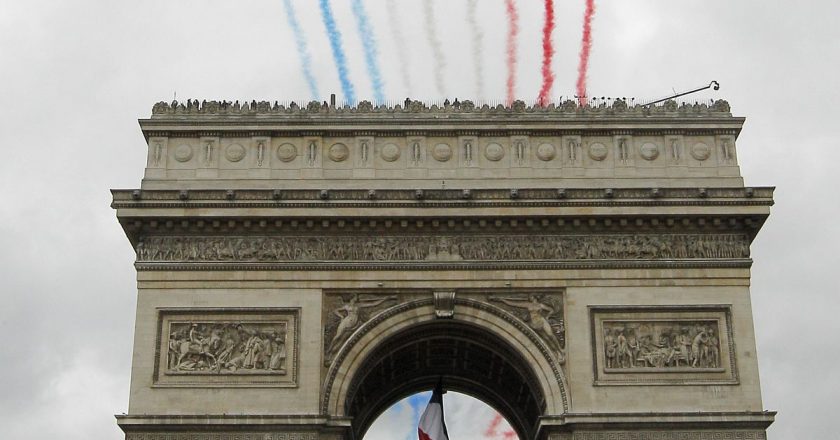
x: 431, y: 425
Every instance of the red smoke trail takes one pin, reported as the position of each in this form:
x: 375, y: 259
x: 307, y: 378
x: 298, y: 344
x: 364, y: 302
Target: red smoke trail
x: 548, y: 52
x: 513, y: 32
x: 586, y: 46
x: 492, y: 431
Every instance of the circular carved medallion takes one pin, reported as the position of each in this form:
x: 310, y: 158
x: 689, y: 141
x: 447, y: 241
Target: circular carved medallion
x: 649, y: 151
x: 235, y: 152
x: 546, y: 152
x: 701, y: 151
x: 494, y: 152
x: 286, y: 152
x: 598, y: 151
x: 183, y: 153
x: 390, y: 152
x: 442, y: 152
x: 338, y: 152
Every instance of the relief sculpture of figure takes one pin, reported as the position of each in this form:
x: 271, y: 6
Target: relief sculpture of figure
x: 538, y: 314
x: 349, y: 316
x: 195, y: 345
x: 698, y: 344
x: 278, y: 355
x: 610, y: 348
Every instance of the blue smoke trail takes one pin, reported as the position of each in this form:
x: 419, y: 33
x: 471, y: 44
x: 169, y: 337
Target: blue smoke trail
x: 369, y: 43
x: 303, y: 50
x: 338, y: 51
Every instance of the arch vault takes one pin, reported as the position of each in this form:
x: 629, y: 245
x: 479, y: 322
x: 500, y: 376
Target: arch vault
x: 478, y: 350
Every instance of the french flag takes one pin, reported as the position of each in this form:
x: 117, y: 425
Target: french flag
x: 431, y: 425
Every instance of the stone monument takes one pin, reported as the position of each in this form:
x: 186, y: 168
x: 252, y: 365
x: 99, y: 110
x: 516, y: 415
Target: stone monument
x: 583, y: 270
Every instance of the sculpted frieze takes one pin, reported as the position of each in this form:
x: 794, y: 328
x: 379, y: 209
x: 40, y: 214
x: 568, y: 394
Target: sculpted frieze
x: 442, y: 248
x: 227, y: 347
x: 663, y: 345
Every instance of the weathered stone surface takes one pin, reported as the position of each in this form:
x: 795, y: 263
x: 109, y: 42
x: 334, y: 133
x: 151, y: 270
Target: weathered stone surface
x: 583, y: 270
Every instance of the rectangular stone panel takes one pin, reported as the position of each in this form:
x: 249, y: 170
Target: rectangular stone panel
x: 678, y: 345
x: 227, y: 347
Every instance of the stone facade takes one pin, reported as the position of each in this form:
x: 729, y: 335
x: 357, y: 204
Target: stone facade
x: 583, y: 270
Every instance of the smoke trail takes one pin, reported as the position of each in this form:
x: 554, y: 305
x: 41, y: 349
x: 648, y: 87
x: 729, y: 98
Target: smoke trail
x: 548, y: 52
x: 371, y: 53
x: 492, y: 431
x: 303, y: 50
x: 399, y: 41
x: 478, y: 48
x: 513, y: 32
x: 585, y: 47
x: 434, y: 42
x: 338, y: 52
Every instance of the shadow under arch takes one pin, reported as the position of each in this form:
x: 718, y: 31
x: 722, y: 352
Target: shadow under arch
x: 483, y: 351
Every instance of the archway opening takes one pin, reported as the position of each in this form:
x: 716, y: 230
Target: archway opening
x: 467, y: 418
x: 465, y: 357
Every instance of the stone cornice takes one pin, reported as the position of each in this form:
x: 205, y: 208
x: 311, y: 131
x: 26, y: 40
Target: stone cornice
x: 640, y: 420
x: 487, y: 127
x: 132, y: 421
x: 426, y: 198
x: 346, y: 212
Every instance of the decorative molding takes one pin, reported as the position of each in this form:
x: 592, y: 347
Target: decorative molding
x: 454, y: 265
x: 686, y: 196
x: 227, y: 347
x: 444, y: 304
x: 410, y: 248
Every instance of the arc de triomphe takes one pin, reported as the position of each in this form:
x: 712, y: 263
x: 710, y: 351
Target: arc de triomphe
x: 585, y: 271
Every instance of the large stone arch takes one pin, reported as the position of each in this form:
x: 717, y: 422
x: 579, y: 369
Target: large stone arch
x: 478, y: 332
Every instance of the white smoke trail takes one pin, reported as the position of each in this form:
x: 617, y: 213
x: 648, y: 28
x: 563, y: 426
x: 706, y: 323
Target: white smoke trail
x: 477, y: 49
x: 434, y: 42
x: 399, y: 41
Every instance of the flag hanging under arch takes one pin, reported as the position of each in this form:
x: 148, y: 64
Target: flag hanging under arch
x: 432, y: 426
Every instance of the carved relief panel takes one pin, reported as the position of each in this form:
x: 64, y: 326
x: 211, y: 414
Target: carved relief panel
x: 227, y: 347
x: 398, y: 248
x: 344, y: 313
x: 663, y: 345
x: 542, y: 312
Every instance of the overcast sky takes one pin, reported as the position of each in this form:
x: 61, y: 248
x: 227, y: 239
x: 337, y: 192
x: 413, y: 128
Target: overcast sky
x: 76, y: 75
